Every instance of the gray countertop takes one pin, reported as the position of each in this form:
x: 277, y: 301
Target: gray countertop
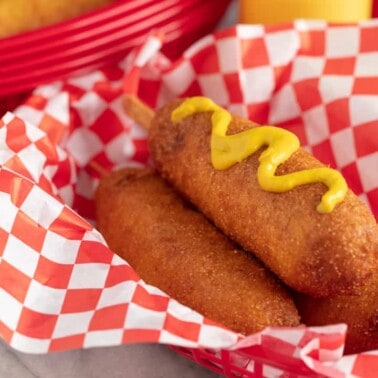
x: 134, y: 361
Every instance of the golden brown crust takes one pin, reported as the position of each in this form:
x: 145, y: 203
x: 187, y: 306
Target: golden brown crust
x: 360, y: 313
x: 17, y: 16
x: 175, y: 248
x: 318, y: 254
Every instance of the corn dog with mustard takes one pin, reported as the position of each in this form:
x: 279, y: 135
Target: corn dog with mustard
x: 266, y: 193
x: 174, y: 247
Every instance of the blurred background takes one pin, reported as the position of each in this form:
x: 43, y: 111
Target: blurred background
x: 42, y: 41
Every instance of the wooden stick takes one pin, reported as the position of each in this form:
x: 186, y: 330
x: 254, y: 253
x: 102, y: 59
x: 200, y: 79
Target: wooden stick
x: 138, y: 111
x: 99, y: 169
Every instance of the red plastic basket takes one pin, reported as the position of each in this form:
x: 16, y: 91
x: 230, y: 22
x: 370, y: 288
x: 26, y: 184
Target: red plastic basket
x: 98, y: 38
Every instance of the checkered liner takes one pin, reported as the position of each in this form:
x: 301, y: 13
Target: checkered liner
x: 62, y: 288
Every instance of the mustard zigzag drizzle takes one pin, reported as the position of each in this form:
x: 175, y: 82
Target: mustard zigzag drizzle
x: 227, y: 150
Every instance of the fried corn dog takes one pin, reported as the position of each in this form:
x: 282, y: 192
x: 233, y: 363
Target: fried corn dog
x: 18, y: 16
x: 317, y: 254
x: 173, y: 247
x: 360, y: 313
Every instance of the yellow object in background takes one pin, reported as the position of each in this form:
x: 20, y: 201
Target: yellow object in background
x: 18, y: 16
x: 275, y: 11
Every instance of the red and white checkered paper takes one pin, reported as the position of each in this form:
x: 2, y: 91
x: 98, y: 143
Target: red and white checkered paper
x: 61, y: 286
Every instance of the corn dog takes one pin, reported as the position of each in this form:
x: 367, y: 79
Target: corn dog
x: 314, y: 248
x: 360, y: 313
x: 17, y: 16
x: 173, y: 247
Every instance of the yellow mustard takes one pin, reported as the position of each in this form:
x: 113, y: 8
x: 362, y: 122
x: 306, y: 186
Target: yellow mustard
x: 227, y: 150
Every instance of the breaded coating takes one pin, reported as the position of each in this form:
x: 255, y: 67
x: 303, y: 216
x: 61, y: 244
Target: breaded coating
x: 317, y: 254
x: 17, y: 16
x: 360, y: 313
x: 173, y: 247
